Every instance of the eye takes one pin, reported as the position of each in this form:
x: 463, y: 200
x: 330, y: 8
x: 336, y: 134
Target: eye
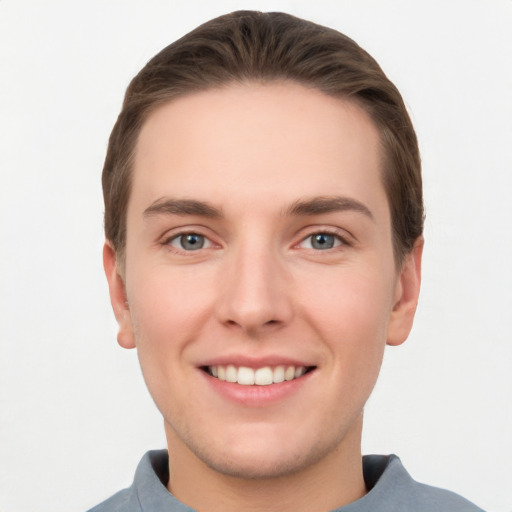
x: 322, y: 241
x: 189, y: 242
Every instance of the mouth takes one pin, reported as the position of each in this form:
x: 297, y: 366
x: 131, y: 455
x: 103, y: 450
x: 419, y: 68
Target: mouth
x: 263, y: 376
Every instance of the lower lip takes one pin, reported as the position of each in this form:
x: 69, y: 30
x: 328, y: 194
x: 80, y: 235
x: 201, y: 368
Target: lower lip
x: 257, y: 396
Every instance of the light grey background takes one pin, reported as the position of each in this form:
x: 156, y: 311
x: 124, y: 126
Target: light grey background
x: 75, y: 416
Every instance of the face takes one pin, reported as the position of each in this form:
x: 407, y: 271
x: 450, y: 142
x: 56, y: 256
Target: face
x: 259, y: 282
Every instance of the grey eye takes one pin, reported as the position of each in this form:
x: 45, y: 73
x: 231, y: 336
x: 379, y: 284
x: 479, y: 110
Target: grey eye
x: 189, y: 242
x: 322, y: 241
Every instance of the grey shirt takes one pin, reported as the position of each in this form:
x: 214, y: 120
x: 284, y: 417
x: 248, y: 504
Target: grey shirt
x: 391, y: 489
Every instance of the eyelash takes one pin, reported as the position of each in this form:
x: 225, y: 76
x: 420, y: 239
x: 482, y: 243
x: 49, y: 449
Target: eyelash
x: 341, y: 240
x: 167, y: 241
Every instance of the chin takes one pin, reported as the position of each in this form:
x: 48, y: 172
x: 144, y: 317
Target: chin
x: 261, y: 465
x: 262, y: 457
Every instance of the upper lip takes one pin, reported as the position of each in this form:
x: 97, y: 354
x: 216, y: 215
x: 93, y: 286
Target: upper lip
x: 254, y: 362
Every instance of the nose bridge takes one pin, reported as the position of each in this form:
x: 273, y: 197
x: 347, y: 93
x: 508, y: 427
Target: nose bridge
x: 254, y: 292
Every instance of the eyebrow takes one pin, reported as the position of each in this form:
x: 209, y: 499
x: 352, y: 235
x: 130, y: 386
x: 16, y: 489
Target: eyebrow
x: 305, y: 207
x: 327, y: 204
x: 172, y: 206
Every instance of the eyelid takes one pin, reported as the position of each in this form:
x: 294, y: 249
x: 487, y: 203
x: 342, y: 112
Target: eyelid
x: 208, y: 243
x: 175, y: 233
x: 346, y: 239
x: 342, y: 235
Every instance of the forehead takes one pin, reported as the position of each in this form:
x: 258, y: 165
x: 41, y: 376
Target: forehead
x: 277, y: 140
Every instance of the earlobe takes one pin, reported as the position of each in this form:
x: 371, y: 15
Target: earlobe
x: 406, y: 296
x: 117, y: 291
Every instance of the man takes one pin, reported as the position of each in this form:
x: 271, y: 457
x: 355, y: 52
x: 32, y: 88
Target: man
x: 264, y: 217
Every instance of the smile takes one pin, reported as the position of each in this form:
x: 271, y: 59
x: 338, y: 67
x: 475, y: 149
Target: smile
x: 256, y: 376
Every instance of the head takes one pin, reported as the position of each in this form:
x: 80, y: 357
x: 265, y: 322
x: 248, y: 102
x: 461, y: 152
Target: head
x: 248, y: 46
x: 263, y: 217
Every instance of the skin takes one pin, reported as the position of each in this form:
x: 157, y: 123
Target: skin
x: 259, y: 289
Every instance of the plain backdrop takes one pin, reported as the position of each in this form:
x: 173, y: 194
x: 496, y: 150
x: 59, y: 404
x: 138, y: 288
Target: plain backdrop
x: 75, y: 416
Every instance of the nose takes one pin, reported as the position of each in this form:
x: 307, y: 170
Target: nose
x: 254, y: 292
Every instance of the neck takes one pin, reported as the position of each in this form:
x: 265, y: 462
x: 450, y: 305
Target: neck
x: 332, y: 482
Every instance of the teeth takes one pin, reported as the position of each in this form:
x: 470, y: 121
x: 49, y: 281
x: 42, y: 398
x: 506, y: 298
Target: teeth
x: 299, y: 371
x: 289, y: 373
x: 259, y: 377
x: 231, y: 373
x: 263, y: 376
x: 278, y: 374
x: 245, y: 376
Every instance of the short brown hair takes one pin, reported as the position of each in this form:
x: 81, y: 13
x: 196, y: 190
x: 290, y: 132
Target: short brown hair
x: 253, y: 46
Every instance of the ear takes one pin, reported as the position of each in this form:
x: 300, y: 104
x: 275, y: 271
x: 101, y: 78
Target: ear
x: 407, y: 290
x: 117, y: 290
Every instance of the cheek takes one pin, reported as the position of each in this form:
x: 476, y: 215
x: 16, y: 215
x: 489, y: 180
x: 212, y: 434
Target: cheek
x: 352, y: 299
x: 168, y: 313
x: 351, y: 313
x: 167, y: 302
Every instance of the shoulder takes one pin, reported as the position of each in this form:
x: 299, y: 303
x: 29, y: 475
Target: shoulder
x: 123, y: 501
x: 148, y: 490
x: 434, y: 498
x: 393, y: 488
